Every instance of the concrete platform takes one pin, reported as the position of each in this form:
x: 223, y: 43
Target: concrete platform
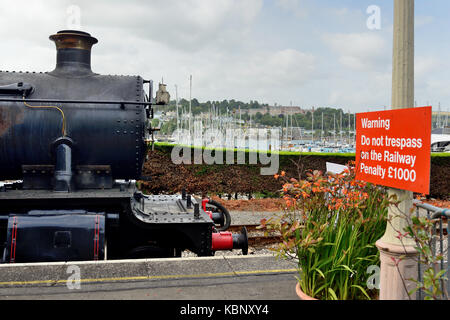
x: 213, y: 278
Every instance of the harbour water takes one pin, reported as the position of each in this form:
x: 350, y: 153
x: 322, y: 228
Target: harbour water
x: 258, y: 139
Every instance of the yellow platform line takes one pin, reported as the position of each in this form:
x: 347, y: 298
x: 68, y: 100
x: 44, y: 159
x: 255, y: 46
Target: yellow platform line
x: 172, y: 276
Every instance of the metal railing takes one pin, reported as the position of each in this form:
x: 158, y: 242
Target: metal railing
x: 437, y: 215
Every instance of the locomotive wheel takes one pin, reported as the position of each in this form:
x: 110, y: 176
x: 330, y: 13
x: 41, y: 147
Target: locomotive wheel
x: 226, y: 214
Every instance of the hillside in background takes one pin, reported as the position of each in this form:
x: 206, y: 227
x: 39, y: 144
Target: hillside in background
x: 261, y: 114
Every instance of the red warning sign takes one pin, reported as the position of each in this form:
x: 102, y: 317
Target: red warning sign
x: 393, y: 148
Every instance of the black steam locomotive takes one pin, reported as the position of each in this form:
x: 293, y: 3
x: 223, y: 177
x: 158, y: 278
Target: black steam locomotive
x: 75, y: 142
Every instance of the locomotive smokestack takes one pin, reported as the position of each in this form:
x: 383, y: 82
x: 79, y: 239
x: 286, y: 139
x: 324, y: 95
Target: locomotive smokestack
x: 73, y: 52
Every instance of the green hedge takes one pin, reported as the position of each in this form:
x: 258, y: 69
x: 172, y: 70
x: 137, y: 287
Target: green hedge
x: 164, y: 176
x: 167, y: 147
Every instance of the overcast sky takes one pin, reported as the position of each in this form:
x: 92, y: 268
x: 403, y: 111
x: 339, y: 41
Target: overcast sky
x: 310, y: 52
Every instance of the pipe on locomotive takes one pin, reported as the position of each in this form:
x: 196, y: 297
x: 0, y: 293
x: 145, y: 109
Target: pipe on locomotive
x: 221, y: 218
x: 62, y: 153
x: 62, y: 149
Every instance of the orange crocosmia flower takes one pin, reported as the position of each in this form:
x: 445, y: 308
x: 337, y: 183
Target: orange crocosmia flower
x: 276, y: 176
x: 306, y: 184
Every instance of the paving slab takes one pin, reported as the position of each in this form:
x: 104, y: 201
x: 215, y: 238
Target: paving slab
x: 254, y: 287
x: 223, y: 277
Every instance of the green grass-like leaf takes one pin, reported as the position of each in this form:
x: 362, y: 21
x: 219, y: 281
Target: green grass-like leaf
x: 333, y: 294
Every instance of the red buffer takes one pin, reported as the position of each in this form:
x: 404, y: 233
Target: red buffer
x: 227, y: 241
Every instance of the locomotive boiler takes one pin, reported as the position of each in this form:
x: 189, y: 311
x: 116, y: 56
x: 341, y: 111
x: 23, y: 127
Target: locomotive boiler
x: 74, y: 142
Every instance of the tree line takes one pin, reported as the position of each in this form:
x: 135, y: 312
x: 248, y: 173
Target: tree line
x: 331, y: 116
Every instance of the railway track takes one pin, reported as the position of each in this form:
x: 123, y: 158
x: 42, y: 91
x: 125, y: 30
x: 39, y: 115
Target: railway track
x: 260, y: 241
x: 238, y: 227
x: 256, y: 237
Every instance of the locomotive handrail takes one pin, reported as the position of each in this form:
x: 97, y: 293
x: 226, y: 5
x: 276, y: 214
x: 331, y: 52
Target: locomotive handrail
x: 140, y: 103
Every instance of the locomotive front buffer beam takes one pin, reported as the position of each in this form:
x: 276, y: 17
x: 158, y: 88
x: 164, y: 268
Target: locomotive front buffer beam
x: 187, y: 212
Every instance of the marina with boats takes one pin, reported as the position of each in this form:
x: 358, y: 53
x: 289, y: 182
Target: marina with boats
x: 240, y: 129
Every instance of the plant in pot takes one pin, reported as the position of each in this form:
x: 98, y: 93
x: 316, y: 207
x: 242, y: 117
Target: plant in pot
x: 329, y: 226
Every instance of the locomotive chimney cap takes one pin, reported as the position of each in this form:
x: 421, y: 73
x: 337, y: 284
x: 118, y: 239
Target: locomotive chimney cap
x: 73, y: 39
x: 73, y: 53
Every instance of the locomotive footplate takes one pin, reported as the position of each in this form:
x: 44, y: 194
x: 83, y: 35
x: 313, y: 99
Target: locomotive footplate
x: 169, y: 209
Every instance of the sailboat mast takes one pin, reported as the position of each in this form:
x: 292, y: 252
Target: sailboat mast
x: 446, y: 119
x: 348, y: 126
x: 287, y: 126
x: 178, y: 123
x: 292, y: 127
x: 240, y: 116
x: 321, y: 131
x: 334, y: 127
x: 439, y: 116
x: 190, y: 105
